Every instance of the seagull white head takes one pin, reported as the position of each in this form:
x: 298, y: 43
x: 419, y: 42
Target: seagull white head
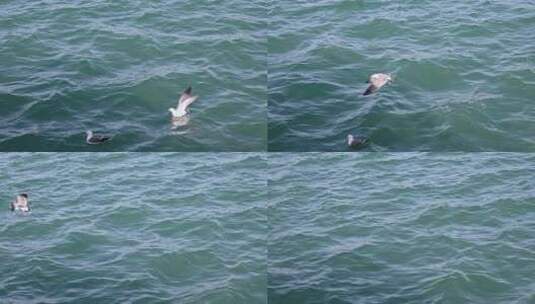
x: 89, y: 133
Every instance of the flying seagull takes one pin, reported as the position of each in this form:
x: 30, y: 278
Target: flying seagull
x: 186, y: 99
x: 94, y: 139
x: 376, y: 82
x: 355, y: 141
x: 21, y: 203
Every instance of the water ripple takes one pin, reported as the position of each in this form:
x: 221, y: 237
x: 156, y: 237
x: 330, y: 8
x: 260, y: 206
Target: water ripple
x: 463, y: 75
x: 118, y: 67
x: 134, y: 228
x: 400, y: 228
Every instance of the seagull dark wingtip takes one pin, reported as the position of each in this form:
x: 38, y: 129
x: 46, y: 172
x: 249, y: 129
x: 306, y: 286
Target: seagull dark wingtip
x: 369, y: 90
x: 188, y: 90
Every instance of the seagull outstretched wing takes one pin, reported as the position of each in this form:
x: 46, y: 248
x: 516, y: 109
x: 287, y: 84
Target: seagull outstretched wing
x: 186, y: 99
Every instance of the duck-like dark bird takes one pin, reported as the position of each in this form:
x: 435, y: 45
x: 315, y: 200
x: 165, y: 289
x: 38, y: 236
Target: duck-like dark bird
x: 94, y: 139
x: 21, y: 203
x: 356, y: 141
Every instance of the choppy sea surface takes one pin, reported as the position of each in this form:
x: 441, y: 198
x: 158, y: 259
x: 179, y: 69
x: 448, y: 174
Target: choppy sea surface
x: 464, y: 75
x: 118, y: 66
x: 401, y: 228
x: 134, y: 228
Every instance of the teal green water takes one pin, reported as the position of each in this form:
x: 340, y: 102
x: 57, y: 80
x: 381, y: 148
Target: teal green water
x: 134, y: 228
x: 118, y: 66
x: 401, y: 228
x: 464, y: 75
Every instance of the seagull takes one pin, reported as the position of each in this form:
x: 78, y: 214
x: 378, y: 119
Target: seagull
x: 186, y: 99
x: 94, y: 139
x: 376, y: 82
x: 21, y: 203
x: 355, y: 141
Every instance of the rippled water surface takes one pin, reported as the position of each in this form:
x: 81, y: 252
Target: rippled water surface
x: 118, y: 66
x: 134, y: 228
x: 401, y: 228
x: 464, y: 75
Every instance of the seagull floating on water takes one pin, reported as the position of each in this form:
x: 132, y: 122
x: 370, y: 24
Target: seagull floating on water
x: 377, y: 81
x: 94, y: 139
x: 180, y: 113
x: 21, y: 203
x: 356, y: 141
